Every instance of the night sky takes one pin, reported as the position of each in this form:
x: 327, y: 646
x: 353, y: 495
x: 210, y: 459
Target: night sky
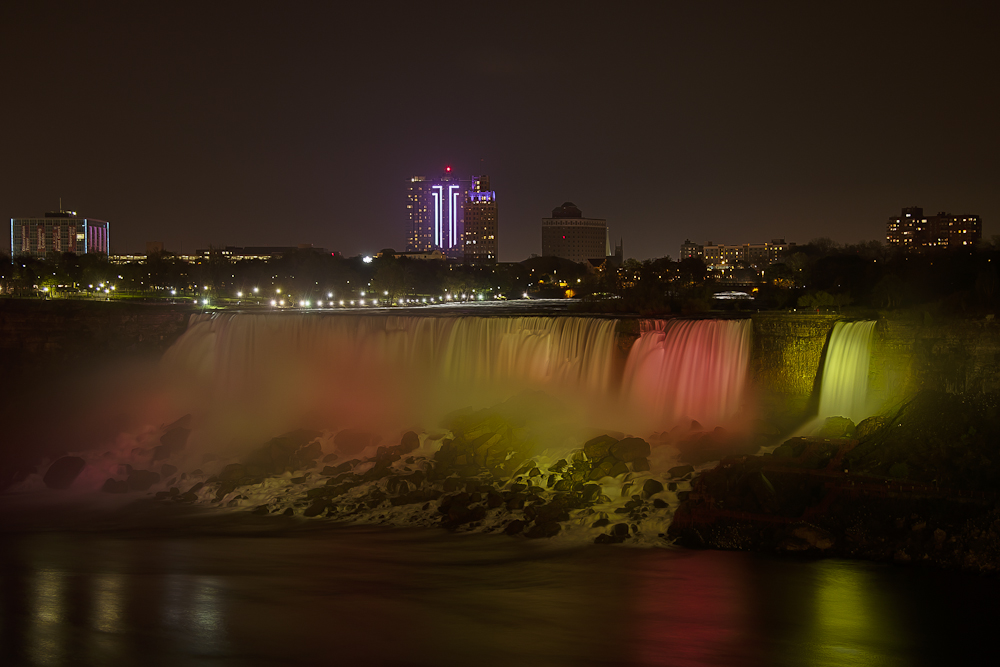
x: 284, y: 123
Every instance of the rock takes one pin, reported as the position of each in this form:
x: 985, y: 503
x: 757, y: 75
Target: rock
x: 514, y: 527
x: 113, y: 485
x: 600, y: 523
x: 836, y: 427
x: 409, y: 442
x: 288, y: 512
x: 619, y: 468
x: 671, y: 486
x: 651, y: 488
x: 597, y: 448
x: 816, y: 538
x: 620, y: 530
x: 310, y: 452
x: 330, y: 457
x: 316, y: 508
x: 679, y: 471
x: 590, y: 493
x: 141, y: 480
x: 660, y: 503
x: 233, y: 472
x: 166, y: 470
x: 630, y: 449
x: 261, y: 509
x: 640, y: 465
x: 63, y: 472
x: 174, y: 438
x: 546, y: 529
x: 869, y: 427
x: 763, y: 491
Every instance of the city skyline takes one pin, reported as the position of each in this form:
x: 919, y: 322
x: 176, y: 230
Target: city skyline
x: 259, y: 125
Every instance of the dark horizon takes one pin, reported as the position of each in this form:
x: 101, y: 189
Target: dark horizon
x: 250, y: 124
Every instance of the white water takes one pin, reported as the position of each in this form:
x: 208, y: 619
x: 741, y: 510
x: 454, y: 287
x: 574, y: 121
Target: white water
x: 386, y: 372
x: 844, y: 389
x: 679, y: 370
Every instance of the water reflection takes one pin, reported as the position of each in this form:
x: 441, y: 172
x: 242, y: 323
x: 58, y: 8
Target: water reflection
x: 852, y: 624
x: 370, y: 596
x: 47, y: 631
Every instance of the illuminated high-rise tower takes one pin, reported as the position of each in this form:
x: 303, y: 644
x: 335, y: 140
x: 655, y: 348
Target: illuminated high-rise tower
x: 480, y: 211
x: 434, y: 214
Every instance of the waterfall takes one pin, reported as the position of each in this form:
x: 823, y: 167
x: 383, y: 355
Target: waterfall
x: 372, y: 369
x: 844, y: 388
x: 680, y: 370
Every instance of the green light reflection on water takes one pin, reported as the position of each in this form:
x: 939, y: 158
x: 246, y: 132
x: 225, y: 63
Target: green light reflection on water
x: 852, y: 624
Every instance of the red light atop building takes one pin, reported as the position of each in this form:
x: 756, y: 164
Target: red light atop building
x: 448, y: 169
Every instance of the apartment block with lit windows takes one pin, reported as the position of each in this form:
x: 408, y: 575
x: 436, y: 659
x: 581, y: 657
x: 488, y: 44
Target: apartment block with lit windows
x: 913, y: 230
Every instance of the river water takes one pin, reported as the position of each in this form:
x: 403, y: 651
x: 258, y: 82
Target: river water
x: 246, y: 590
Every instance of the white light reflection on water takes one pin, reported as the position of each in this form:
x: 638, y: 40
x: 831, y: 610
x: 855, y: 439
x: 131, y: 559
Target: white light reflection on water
x: 192, y: 607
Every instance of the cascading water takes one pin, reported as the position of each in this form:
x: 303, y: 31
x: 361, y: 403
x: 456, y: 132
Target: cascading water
x: 844, y: 389
x: 368, y: 370
x: 688, y: 369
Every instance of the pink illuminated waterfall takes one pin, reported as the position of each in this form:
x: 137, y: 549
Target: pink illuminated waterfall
x: 680, y: 370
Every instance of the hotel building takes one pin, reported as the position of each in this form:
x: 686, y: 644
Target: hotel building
x: 435, y: 216
x: 58, y: 231
x: 480, y: 216
x: 569, y: 235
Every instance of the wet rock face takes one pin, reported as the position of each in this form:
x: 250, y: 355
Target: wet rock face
x: 63, y: 472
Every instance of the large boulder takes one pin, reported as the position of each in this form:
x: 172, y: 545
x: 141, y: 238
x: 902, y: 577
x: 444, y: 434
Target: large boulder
x: 174, y: 438
x: 597, y: 448
x: 870, y: 426
x: 630, y: 449
x: 63, y: 472
x: 836, y: 427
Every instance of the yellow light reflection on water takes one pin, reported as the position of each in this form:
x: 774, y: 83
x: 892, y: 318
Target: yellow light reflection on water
x: 851, y: 625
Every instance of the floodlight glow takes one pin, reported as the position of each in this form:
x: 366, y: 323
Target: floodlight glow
x: 173, y: 292
x: 367, y: 259
x: 281, y: 303
x: 273, y: 302
x: 255, y: 290
x: 329, y: 295
x: 239, y: 294
x: 341, y: 302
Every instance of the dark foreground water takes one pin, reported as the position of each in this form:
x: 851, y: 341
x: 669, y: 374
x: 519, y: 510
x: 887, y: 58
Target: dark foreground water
x: 263, y: 591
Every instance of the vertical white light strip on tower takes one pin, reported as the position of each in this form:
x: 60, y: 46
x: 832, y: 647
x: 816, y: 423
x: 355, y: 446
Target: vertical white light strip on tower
x: 453, y: 198
x: 438, y: 196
